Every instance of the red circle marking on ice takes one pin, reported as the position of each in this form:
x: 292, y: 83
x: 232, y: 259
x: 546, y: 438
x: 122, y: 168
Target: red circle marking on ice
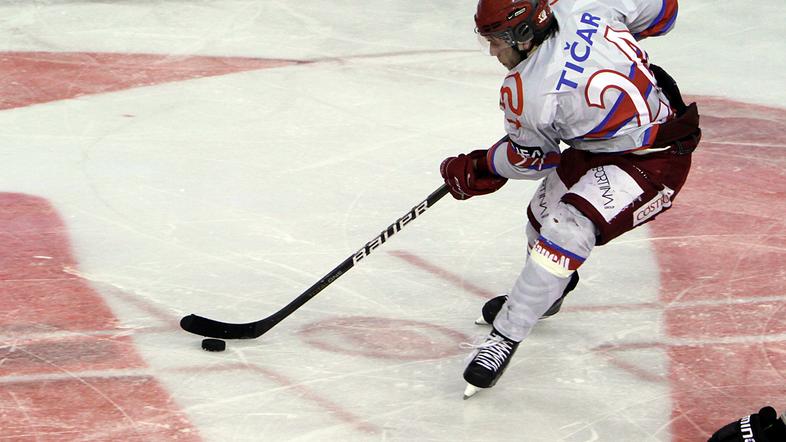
x: 721, y: 253
x: 384, y: 338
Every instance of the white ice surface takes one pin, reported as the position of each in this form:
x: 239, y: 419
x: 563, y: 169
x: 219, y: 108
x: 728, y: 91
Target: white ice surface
x: 228, y: 196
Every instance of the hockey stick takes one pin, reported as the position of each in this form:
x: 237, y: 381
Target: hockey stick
x: 202, y: 326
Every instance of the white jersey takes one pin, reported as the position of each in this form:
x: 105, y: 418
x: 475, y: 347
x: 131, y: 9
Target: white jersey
x: 587, y: 85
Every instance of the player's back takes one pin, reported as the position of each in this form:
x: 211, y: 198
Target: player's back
x: 588, y: 84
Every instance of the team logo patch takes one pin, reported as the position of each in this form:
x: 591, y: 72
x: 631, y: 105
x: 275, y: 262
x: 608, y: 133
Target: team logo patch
x: 605, y: 189
x: 531, y: 158
x: 542, y: 16
x: 554, y: 258
x: 653, y: 207
x: 609, y: 189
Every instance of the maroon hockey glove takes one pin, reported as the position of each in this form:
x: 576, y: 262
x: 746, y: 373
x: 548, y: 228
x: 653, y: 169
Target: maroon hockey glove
x: 763, y: 426
x: 469, y: 175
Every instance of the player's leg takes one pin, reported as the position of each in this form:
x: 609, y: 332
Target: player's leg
x: 492, y: 307
x: 543, y: 202
x: 612, y: 195
x: 566, y: 239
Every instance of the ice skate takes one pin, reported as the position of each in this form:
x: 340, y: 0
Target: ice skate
x: 490, y: 310
x: 494, y: 305
x: 489, y: 360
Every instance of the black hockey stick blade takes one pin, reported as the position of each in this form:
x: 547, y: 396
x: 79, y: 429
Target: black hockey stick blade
x: 202, y: 326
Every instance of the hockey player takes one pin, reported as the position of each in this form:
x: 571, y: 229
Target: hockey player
x: 764, y: 426
x: 577, y: 76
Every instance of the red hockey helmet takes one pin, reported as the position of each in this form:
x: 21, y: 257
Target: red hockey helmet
x: 514, y: 21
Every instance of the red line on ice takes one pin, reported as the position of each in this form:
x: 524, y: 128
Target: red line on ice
x: 36, y: 77
x: 40, y: 298
x: 442, y: 273
x: 727, y: 227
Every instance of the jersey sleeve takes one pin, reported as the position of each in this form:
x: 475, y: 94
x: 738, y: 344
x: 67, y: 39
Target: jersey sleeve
x: 519, y: 162
x: 646, y: 18
x: 530, y: 150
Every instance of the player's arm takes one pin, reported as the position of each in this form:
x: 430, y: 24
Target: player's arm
x: 646, y: 18
x: 481, y: 172
x: 516, y: 161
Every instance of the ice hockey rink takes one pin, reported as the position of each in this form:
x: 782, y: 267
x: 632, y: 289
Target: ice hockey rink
x: 162, y: 158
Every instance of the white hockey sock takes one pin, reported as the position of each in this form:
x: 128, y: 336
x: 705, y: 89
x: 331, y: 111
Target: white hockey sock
x: 539, y: 286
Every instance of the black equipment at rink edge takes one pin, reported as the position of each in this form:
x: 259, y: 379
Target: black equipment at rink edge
x: 202, y: 326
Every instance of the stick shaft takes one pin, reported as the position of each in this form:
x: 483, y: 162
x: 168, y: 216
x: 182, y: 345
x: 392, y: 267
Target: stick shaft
x: 209, y: 327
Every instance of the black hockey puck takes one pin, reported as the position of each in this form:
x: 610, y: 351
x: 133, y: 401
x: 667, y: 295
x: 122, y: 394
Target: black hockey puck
x: 210, y: 344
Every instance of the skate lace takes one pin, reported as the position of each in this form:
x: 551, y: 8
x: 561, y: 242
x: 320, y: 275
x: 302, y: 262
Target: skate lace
x: 492, y: 351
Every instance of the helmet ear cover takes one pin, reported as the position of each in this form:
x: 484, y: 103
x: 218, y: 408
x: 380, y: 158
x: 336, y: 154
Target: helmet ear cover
x: 522, y: 33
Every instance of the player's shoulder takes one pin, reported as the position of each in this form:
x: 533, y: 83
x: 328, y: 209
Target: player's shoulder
x: 572, y: 14
x: 578, y: 47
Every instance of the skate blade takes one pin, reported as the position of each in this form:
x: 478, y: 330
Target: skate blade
x: 470, y: 391
x: 481, y: 321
